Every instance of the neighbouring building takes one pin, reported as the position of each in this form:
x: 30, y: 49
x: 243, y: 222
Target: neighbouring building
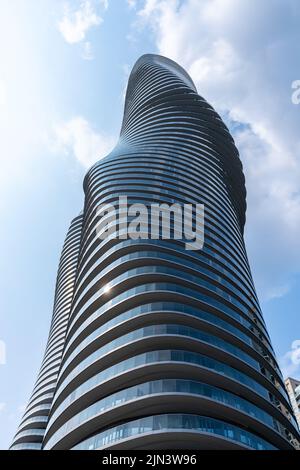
x: 293, y: 388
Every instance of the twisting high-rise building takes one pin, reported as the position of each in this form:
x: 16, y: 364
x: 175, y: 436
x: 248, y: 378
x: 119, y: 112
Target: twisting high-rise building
x: 152, y: 345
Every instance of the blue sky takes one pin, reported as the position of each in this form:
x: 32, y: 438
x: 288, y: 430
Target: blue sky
x: 63, y: 73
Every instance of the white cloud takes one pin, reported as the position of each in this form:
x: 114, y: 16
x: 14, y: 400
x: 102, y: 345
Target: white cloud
x: 104, y: 3
x: 290, y: 362
x: 2, y: 406
x: 76, y: 22
x: 76, y: 137
x: 242, y: 58
x: 132, y: 3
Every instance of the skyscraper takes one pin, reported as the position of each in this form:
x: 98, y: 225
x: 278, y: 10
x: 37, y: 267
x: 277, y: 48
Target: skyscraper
x: 152, y: 345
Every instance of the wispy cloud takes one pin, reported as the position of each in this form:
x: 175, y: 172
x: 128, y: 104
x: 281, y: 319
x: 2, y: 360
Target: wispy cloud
x: 75, y: 24
x: 241, y: 56
x: 290, y: 362
x: 76, y: 137
x: 2, y: 406
x: 87, y: 51
x: 77, y: 21
x: 132, y: 3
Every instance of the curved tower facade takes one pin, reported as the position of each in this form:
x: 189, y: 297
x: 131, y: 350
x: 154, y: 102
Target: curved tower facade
x: 152, y: 345
x: 32, y: 427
